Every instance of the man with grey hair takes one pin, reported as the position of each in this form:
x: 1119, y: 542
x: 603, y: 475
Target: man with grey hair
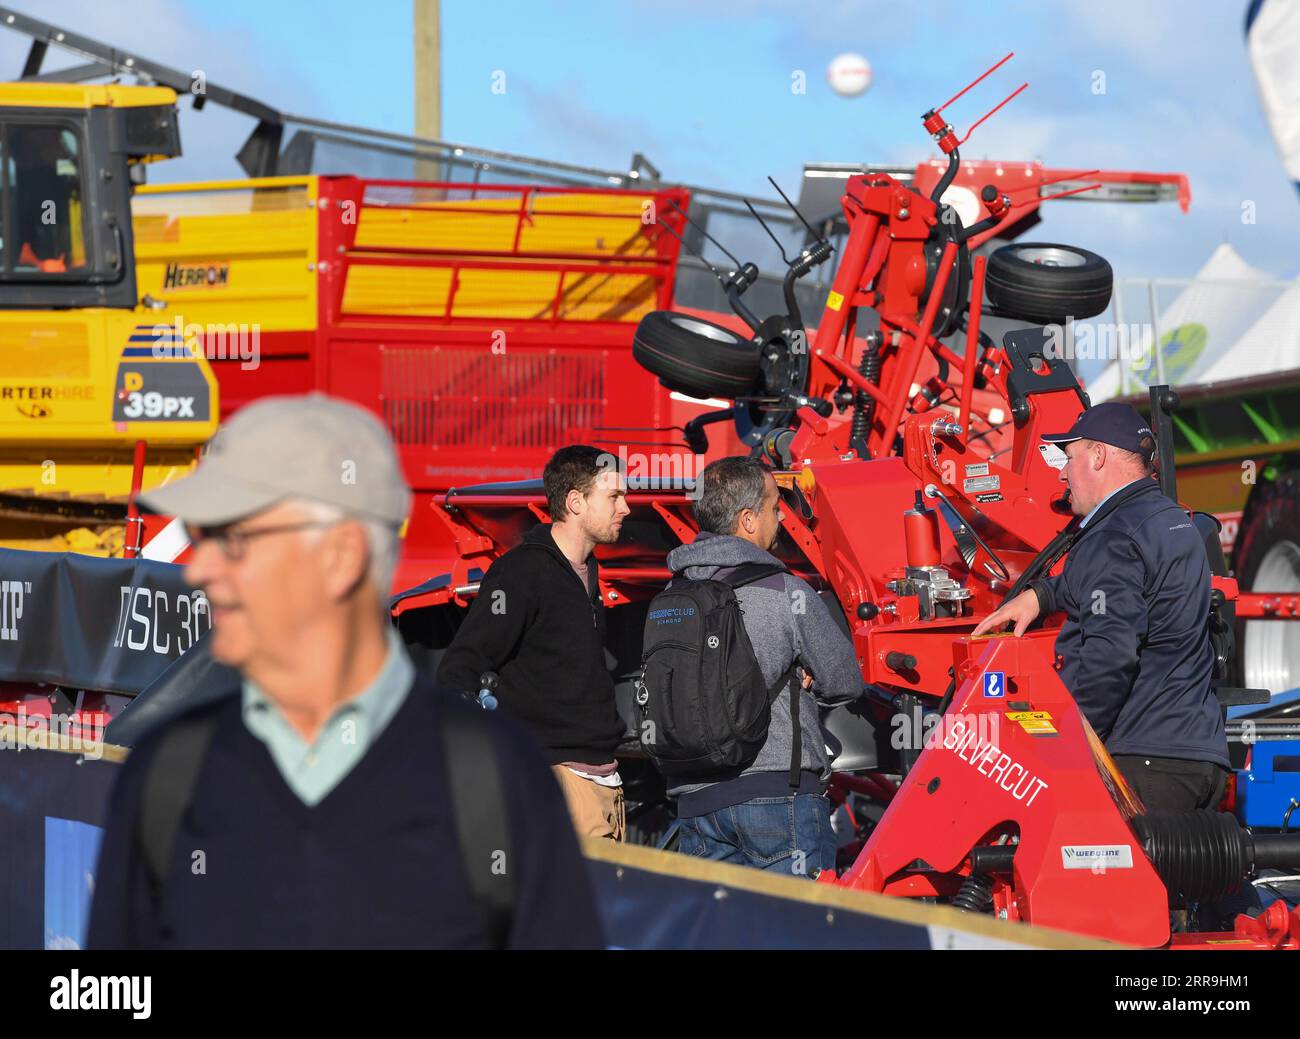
x: 335, y: 798
x: 774, y: 813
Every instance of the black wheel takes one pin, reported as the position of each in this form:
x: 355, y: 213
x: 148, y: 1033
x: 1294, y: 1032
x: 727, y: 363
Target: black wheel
x: 1041, y: 281
x: 1267, y: 553
x: 695, y: 357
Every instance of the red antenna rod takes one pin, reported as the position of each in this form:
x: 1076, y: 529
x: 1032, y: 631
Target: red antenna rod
x: 990, y: 112
x: 981, y: 79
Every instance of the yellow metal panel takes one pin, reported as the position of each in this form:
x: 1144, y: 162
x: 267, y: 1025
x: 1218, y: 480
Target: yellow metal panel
x: 63, y: 400
x: 511, y: 294
x: 256, y: 239
x: 75, y: 95
x: 58, y: 348
x: 614, y: 227
x: 446, y: 232
x: 410, y: 291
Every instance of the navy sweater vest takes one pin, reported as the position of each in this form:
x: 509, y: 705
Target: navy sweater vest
x: 374, y: 865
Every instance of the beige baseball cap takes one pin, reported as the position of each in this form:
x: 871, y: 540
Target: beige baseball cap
x: 312, y: 446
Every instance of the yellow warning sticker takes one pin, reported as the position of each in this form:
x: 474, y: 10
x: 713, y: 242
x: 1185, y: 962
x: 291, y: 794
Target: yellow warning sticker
x: 1036, y: 723
x: 834, y: 300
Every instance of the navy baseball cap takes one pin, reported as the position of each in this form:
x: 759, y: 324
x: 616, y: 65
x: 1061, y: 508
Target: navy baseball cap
x: 1120, y: 425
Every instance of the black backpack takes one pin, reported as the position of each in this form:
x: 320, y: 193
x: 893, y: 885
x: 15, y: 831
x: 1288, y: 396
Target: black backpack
x: 705, y: 708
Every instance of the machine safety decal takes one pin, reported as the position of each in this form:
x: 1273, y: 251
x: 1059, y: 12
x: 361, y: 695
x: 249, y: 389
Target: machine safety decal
x: 995, y: 684
x: 834, y: 300
x: 1036, y: 723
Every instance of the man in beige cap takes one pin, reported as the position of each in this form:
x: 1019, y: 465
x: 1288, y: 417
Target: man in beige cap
x: 336, y: 798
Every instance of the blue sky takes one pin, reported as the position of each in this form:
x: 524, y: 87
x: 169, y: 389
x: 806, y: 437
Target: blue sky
x: 704, y: 89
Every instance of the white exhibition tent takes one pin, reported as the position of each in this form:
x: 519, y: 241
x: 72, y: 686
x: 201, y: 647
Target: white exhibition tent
x: 1229, y: 321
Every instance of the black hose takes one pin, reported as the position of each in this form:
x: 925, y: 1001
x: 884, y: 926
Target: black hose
x: 954, y: 163
x: 1199, y: 855
x: 946, y: 701
x: 1276, y: 850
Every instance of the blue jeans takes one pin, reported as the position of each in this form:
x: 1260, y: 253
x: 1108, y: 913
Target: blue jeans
x: 782, y: 834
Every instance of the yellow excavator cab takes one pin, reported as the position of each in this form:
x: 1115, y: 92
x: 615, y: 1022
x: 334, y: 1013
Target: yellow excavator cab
x: 85, y: 373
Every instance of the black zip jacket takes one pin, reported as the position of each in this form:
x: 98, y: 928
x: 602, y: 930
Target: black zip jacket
x: 543, y: 633
x: 1135, y: 645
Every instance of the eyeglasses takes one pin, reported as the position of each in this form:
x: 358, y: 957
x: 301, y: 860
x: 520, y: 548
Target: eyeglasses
x: 233, y: 541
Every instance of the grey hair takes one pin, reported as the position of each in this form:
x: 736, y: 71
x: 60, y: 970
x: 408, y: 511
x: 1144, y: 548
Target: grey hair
x: 727, y: 488
x: 381, y: 539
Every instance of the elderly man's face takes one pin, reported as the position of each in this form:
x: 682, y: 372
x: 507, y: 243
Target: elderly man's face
x: 260, y: 599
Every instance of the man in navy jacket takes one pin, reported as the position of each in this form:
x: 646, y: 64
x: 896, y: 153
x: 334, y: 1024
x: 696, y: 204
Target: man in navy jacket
x: 1135, y: 645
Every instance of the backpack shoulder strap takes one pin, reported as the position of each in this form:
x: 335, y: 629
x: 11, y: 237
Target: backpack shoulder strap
x: 748, y: 573
x: 168, y: 788
x: 479, y: 807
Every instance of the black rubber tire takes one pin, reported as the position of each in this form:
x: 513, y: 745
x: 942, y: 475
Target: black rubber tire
x: 695, y: 357
x: 1022, y: 282
x: 1272, y: 516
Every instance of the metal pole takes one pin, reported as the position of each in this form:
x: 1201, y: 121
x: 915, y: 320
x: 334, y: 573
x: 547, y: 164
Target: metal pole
x: 1121, y: 330
x: 134, y: 539
x: 1155, y: 333
x: 426, y: 32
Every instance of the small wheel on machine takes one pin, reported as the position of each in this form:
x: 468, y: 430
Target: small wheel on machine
x: 1267, y: 556
x: 694, y: 356
x: 1042, y: 281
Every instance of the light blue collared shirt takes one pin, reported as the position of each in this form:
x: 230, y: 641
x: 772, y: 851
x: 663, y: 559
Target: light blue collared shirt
x: 312, y: 770
x: 1084, y: 522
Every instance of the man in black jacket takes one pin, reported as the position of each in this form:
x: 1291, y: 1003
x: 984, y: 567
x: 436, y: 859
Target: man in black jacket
x: 1135, y: 645
x: 539, y: 625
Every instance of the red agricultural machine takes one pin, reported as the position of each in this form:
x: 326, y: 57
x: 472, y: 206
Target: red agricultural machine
x: 971, y: 775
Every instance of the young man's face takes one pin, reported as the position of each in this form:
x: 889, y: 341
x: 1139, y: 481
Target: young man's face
x: 603, y: 508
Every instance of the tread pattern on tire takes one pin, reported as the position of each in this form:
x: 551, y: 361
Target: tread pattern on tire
x: 691, y: 362
x: 1273, y: 516
x: 1039, y: 292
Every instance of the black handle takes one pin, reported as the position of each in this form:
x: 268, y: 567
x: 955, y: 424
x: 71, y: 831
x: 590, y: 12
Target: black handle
x: 899, y: 662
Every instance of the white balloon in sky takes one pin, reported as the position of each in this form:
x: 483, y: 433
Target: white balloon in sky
x: 849, y: 75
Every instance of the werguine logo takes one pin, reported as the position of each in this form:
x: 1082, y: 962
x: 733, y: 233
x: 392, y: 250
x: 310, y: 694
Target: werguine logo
x: 95, y: 993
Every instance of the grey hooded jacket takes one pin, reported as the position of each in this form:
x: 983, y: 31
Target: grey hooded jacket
x: 786, y: 622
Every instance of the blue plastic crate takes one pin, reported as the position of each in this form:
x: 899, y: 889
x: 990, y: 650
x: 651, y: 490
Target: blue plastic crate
x: 1268, y: 787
